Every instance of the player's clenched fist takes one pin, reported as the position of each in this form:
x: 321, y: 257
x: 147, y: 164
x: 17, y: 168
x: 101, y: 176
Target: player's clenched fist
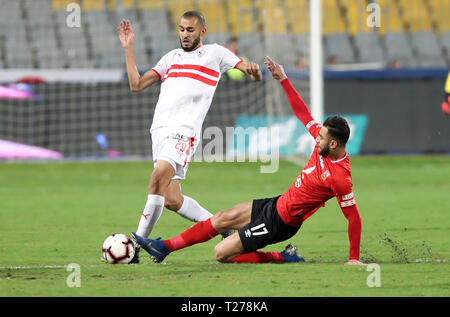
x: 126, y: 34
x: 253, y: 71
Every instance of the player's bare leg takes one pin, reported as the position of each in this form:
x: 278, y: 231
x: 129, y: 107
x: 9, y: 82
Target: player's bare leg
x: 233, y: 218
x: 173, y: 195
x: 160, y: 178
x: 183, y: 205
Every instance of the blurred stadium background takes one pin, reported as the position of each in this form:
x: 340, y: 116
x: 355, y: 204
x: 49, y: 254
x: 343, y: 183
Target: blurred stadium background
x: 65, y: 89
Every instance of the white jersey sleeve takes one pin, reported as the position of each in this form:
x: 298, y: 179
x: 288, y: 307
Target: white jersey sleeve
x: 228, y: 59
x: 163, y: 65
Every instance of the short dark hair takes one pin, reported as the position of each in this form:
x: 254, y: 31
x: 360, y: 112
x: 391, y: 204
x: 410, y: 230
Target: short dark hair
x: 338, y: 129
x: 196, y: 14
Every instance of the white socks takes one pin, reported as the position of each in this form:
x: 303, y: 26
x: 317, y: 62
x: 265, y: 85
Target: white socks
x: 192, y: 210
x: 152, y: 211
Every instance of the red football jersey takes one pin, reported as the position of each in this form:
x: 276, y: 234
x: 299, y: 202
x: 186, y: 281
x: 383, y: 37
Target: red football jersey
x: 320, y: 180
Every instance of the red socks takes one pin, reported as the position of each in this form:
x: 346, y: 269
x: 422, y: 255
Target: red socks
x: 258, y: 257
x: 200, y: 232
x: 204, y: 231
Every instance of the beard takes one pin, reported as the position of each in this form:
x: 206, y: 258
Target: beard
x: 325, y: 151
x: 192, y: 47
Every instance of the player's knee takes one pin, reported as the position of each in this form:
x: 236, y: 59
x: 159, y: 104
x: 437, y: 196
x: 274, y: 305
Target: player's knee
x: 220, y: 255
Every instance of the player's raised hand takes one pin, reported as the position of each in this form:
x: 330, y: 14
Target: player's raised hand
x: 275, y: 69
x: 126, y: 34
x: 253, y: 71
x: 355, y: 262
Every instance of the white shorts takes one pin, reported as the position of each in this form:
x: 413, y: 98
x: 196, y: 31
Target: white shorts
x: 175, y: 146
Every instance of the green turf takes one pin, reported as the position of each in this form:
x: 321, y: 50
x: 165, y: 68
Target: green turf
x: 53, y: 214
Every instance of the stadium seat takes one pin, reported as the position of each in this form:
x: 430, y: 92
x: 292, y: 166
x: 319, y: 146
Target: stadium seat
x: 161, y: 45
x: 215, y: 15
x: 274, y: 18
x: 217, y: 37
x: 413, y: 32
x: 126, y: 14
x: 297, y: 16
x: 281, y: 48
x: 356, y: 14
x: 415, y: 15
x: 429, y: 52
x: 399, y: 49
x: 74, y: 45
x: 150, y: 4
x: 338, y: 45
x: 18, y: 53
x: 17, y: 50
x: 157, y: 19
x: 446, y: 43
x: 366, y: 38
x: 440, y: 16
x: 332, y: 19
x: 93, y: 5
x: 251, y: 45
x: 302, y: 45
x: 390, y: 17
x: 106, y: 48
x: 178, y: 7
x: 337, y: 41
x: 60, y: 4
x: 241, y: 18
x: 368, y: 47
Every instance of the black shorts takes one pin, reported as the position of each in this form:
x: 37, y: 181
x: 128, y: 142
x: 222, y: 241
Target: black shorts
x: 265, y: 226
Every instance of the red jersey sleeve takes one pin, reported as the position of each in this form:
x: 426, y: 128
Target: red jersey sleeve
x: 344, y: 194
x: 300, y: 109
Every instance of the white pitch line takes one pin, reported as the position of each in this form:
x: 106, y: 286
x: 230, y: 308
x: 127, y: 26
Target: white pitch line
x: 35, y: 267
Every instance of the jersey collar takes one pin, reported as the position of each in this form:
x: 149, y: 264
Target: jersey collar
x: 200, y: 46
x: 341, y: 159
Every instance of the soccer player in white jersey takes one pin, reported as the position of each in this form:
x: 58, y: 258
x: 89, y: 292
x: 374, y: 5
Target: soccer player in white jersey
x: 189, y: 76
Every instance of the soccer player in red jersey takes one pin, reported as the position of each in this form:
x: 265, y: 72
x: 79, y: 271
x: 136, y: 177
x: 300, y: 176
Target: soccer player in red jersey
x: 268, y: 221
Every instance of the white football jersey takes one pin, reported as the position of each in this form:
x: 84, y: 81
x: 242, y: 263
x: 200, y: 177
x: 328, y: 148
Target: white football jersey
x: 188, y: 83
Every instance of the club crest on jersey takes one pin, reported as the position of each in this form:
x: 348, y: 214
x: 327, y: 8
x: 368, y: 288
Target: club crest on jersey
x: 200, y: 53
x: 325, y: 174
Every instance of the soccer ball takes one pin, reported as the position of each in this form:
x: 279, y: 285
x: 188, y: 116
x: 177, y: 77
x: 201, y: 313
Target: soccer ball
x: 118, y: 248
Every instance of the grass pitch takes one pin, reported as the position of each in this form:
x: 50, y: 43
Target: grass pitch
x: 54, y: 214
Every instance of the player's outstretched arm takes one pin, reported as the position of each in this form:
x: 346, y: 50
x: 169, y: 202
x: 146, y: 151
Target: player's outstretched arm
x: 298, y: 105
x: 137, y: 82
x: 354, y: 231
x: 251, y: 70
